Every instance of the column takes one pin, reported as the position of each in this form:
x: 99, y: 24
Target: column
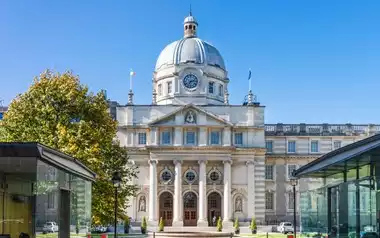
x: 251, y: 187
x: 152, y: 191
x: 177, y: 200
x: 202, y: 213
x: 227, y: 193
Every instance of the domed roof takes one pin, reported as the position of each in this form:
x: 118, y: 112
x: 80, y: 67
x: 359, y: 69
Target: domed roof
x: 190, y: 50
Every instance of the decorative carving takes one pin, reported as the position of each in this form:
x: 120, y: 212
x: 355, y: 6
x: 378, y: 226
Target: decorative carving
x: 238, y: 204
x: 142, y: 203
x: 190, y: 117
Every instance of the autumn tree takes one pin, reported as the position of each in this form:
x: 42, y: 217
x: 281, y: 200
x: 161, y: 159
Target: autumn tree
x: 60, y: 112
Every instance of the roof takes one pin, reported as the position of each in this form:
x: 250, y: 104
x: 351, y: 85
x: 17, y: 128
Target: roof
x: 32, y: 150
x: 344, y: 158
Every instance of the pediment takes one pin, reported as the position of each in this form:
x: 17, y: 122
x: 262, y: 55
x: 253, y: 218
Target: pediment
x: 190, y: 115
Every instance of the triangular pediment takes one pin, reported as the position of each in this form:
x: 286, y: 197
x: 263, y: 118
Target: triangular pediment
x: 190, y: 115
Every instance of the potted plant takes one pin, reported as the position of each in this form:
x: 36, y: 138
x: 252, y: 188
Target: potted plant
x: 219, y: 225
x: 253, y: 226
x: 127, y: 224
x: 77, y: 228
x: 143, y: 226
x: 236, y: 226
x: 161, y: 225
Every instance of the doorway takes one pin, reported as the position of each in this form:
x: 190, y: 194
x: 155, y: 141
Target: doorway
x: 166, y: 208
x: 190, y: 209
x: 214, y: 203
x: 64, y: 214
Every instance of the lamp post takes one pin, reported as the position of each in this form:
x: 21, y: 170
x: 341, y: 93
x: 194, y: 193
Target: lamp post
x: 116, y: 179
x: 294, y: 183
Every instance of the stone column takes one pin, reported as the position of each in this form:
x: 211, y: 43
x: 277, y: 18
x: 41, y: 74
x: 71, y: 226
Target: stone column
x: 177, y: 200
x: 202, y: 213
x: 251, y: 188
x: 152, y: 192
x: 227, y: 194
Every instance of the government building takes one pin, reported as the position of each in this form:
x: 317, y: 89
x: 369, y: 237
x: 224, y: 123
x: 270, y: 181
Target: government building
x: 200, y: 157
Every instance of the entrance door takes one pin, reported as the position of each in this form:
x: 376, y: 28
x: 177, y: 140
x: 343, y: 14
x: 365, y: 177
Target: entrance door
x: 214, y: 207
x: 190, y: 209
x: 166, y: 208
x: 64, y: 214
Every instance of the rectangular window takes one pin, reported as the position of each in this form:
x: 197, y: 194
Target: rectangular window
x: 166, y: 137
x: 269, y: 146
x: 269, y: 201
x: 238, y: 138
x: 291, y: 147
x: 269, y: 172
x: 51, y: 199
x: 211, y: 87
x: 169, y: 87
x: 291, y: 200
x: 190, y: 137
x: 159, y: 89
x: 215, y: 136
x: 291, y: 168
x: 314, y: 146
x: 142, y: 138
x: 220, y: 90
x: 337, y: 144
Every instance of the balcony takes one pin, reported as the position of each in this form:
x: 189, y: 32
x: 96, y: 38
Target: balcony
x: 321, y: 129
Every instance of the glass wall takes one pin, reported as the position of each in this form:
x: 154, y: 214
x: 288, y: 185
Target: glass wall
x: 313, y: 211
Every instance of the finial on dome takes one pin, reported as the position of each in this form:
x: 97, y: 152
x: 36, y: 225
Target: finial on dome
x: 190, y: 25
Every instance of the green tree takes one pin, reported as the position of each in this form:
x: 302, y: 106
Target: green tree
x: 253, y: 225
x: 219, y: 225
x: 60, y: 112
x: 144, y: 226
x: 161, y: 225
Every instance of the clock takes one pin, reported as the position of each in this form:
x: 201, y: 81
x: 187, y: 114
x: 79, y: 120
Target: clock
x: 190, y: 81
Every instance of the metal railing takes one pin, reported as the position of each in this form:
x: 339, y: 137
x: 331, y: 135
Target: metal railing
x: 322, y: 129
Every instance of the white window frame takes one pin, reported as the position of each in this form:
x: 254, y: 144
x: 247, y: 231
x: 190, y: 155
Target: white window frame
x: 213, y: 87
x: 273, y: 173
x: 195, y: 137
x: 267, y: 141
x: 288, y: 176
x: 144, y: 138
x: 170, y: 137
x: 318, y: 146
x: 273, y: 201
x: 219, y: 139
x: 169, y: 85
x: 288, y: 147
x: 241, y: 133
x: 337, y: 141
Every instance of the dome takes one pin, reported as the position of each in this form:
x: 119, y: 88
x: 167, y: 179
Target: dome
x: 190, y: 19
x: 190, y: 50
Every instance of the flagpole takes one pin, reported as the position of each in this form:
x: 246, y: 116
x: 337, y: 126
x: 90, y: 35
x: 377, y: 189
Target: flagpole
x: 249, y: 80
x: 130, y: 80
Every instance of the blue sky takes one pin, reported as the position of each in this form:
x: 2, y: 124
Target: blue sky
x: 312, y: 61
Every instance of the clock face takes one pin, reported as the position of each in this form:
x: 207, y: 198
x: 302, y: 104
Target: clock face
x: 190, y: 81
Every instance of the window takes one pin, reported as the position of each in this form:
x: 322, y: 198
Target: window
x: 238, y: 138
x: 169, y: 87
x: 142, y: 138
x: 211, y: 87
x: 190, y: 176
x: 269, y: 201
x: 166, y: 176
x: 159, y: 90
x: 190, y: 137
x: 314, y: 146
x: 291, y: 168
x: 291, y: 200
x: 166, y: 137
x: 269, y: 146
x: 291, y: 147
x: 220, y: 90
x: 337, y: 144
x: 269, y: 172
x: 215, y: 137
x: 51, y: 199
x: 214, y: 176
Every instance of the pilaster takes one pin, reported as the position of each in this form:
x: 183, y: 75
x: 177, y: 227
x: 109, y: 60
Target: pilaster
x: 227, y: 194
x: 152, y: 192
x: 202, y: 212
x: 251, y: 187
x: 177, y: 200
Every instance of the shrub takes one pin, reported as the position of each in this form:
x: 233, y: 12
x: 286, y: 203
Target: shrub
x: 236, y: 226
x: 253, y: 225
x: 143, y: 226
x: 161, y: 225
x: 219, y: 225
x: 127, y: 223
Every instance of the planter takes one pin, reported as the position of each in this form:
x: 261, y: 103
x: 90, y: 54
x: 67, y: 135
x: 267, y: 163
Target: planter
x: 237, y: 232
x: 143, y: 231
x: 126, y: 230
x: 254, y: 231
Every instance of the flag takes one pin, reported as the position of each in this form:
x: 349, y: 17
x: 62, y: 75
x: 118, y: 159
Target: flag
x: 132, y: 73
x: 249, y: 74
